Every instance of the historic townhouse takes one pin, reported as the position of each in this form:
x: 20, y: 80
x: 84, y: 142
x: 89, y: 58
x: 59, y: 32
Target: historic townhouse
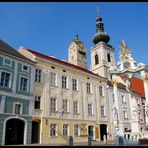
x: 16, y: 92
x: 69, y: 100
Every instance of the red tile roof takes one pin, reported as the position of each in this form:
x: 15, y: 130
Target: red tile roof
x: 137, y: 86
x: 61, y: 62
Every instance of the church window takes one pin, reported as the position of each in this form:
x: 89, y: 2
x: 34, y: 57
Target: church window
x: 108, y: 57
x: 96, y: 59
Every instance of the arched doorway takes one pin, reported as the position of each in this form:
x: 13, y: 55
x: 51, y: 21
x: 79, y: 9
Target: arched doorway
x: 103, y: 130
x: 14, y: 132
x: 35, y: 132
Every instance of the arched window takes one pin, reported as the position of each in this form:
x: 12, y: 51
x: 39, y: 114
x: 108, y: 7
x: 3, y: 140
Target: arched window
x: 108, y: 57
x: 96, y: 59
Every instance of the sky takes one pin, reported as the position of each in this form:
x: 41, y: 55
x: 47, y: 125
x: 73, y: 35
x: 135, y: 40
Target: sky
x: 49, y: 27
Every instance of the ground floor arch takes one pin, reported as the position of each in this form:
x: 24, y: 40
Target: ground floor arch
x: 14, y: 131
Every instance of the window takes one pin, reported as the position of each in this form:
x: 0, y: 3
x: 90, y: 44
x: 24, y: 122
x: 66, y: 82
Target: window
x: 7, y: 62
x: 90, y: 109
x: 108, y: 57
x: 64, y: 82
x: 76, y: 129
x: 53, y: 104
x: 53, y: 129
x: 38, y: 75
x: 102, y: 110
x: 140, y: 115
x: 96, y: 59
x: 65, y: 130
x: 65, y: 105
x: 101, y: 90
x: 23, y: 84
x: 75, y: 107
x: 17, y: 108
x: 53, y: 79
x: 88, y: 88
x: 5, y: 79
x: 123, y: 99
x: 124, y: 114
x: 74, y: 84
x: 37, y: 102
x: 25, y: 68
x: 113, y: 98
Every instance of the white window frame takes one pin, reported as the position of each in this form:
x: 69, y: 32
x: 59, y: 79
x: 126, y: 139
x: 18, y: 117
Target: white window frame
x: 21, y: 76
x: 10, y: 65
x: 67, y: 106
x: 77, y: 107
x: 56, y: 134
x: 55, y: 104
x: 90, y: 108
x: 68, y: 132
x: 77, y: 129
x: 103, y: 107
x: 21, y: 109
x: 10, y: 78
x: 76, y: 84
x: 24, y: 69
x: 55, y: 83
x: 125, y: 116
x: 37, y: 68
x: 90, y: 88
x: 65, y: 87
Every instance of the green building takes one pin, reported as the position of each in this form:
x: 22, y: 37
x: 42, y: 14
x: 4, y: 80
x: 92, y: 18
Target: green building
x: 16, y: 96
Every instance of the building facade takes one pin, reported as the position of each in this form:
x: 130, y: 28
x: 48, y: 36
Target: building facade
x: 16, y: 91
x: 73, y: 100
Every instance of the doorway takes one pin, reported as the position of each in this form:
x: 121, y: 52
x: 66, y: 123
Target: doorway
x: 14, y: 132
x: 103, y: 131
x: 35, y: 132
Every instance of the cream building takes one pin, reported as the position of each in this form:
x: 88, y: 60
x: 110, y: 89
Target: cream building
x: 69, y: 99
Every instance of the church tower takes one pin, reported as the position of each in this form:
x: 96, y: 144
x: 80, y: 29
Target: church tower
x: 102, y: 54
x: 77, y: 53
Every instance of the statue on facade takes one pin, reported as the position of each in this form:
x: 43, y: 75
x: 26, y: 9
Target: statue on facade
x: 126, y: 59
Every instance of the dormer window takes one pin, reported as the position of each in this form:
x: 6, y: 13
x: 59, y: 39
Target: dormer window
x: 96, y: 59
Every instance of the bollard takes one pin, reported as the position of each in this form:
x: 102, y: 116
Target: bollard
x: 70, y: 140
x: 104, y: 139
x: 89, y: 140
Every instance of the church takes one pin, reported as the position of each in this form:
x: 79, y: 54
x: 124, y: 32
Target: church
x: 102, y: 102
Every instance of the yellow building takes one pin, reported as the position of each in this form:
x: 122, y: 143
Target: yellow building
x: 69, y: 99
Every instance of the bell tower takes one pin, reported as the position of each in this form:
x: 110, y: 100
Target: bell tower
x: 102, y: 53
x: 77, y: 53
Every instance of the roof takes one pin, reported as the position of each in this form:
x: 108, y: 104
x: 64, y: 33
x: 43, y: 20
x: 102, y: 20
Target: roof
x: 137, y: 86
x: 7, y: 49
x: 62, y: 62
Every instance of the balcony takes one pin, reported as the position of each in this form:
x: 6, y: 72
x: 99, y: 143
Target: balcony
x: 37, y: 112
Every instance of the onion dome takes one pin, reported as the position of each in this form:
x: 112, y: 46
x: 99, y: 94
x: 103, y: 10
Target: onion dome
x: 100, y: 35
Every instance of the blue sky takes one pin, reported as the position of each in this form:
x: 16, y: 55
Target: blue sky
x: 49, y: 27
